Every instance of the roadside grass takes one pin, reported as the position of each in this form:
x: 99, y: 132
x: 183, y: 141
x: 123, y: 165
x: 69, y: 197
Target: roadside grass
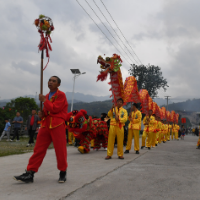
x: 12, y: 148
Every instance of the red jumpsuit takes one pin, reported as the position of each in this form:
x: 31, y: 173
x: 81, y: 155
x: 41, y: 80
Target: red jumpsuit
x: 52, y: 130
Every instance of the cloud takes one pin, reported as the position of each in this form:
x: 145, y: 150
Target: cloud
x: 163, y: 33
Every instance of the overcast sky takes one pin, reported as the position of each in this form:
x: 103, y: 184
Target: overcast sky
x: 163, y: 33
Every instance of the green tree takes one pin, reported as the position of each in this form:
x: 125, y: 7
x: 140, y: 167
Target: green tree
x: 24, y: 105
x: 149, y: 78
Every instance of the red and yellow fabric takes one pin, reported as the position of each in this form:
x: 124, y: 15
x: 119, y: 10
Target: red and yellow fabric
x: 56, y: 109
x: 144, y: 97
x: 131, y: 93
x: 52, y: 130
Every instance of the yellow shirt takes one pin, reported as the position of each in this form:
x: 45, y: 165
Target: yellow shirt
x: 169, y: 127
x: 135, y: 123
x: 121, y: 113
x: 149, y: 127
x: 159, y: 125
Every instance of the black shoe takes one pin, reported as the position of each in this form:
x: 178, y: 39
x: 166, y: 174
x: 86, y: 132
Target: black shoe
x: 156, y: 145
x: 163, y: 141
x: 137, y: 152
x: 127, y: 151
x: 142, y: 147
x: 62, y: 178
x: 26, y: 177
x: 149, y: 148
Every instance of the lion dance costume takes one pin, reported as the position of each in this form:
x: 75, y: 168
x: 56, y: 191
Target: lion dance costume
x: 82, y: 127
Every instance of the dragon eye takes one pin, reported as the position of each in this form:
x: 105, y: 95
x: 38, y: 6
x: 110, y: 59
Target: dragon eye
x: 71, y: 119
x: 81, y: 119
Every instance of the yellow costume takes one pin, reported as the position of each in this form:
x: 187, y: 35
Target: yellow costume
x: 176, y: 131
x: 159, y: 126
x: 71, y: 138
x: 92, y: 143
x: 169, y: 131
x: 149, y: 129
x: 162, y: 132
x: 116, y: 129
x: 134, y: 130
x: 154, y: 135
x: 165, y: 132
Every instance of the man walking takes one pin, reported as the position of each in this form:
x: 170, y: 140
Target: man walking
x: 52, y: 130
x: 134, y: 129
x: 18, y: 120
x: 32, y: 125
x: 118, y: 116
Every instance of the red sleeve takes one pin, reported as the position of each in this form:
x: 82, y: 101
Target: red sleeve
x: 56, y: 106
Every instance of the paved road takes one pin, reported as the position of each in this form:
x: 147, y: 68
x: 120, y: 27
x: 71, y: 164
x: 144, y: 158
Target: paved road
x: 170, y: 171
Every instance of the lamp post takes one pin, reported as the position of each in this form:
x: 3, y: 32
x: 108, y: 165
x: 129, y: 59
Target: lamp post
x: 76, y: 73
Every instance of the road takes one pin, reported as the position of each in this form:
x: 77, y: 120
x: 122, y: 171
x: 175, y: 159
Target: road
x: 169, y: 171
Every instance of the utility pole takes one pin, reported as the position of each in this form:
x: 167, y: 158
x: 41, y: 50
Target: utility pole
x: 167, y: 97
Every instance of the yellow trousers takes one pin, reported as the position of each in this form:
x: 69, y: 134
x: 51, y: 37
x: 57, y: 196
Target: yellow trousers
x: 165, y: 136
x: 92, y: 143
x: 144, y: 136
x: 153, y: 139
x: 150, y: 139
x: 113, y: 132
x: 159, y: 137
x: 173, y: 135
x: 71, y: 138
x: 176, y: 135
x: 133, y: 133
x: 168, y: 135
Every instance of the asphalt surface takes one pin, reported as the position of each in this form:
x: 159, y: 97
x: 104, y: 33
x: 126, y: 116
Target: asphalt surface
x: 169, y: 171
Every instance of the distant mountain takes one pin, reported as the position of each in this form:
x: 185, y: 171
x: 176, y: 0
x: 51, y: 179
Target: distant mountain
x: 189, y: 106
x: 86, y: 97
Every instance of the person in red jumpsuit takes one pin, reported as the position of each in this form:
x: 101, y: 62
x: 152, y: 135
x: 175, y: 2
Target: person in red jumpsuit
x: 52, y: 130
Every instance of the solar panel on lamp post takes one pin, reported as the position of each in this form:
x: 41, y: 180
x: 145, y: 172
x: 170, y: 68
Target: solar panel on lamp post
x: 76, y: 73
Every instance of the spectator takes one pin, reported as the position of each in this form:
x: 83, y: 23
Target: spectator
x: 18, y: 120
x: 196, y: 131
x: 32, y: 125
x: 6, y: 130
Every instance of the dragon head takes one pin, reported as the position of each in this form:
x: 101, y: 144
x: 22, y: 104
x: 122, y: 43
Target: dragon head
x: 77, y: 121
x: 108, y: 65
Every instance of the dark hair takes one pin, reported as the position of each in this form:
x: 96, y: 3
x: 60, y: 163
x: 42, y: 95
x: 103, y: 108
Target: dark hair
x: 120, y: 99
x: 6, y: 119
x: 135, y: 104
x: 58, y: 79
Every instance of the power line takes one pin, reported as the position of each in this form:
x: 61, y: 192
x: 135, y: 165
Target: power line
x: 114, y: 30
x: 100, y: 29
x: 107, y: 29
x: 120, y: 31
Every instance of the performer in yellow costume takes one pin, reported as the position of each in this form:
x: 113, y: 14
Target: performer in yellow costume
x: 134, y: 128
x: 176, y: 131
x: 159, y: 126
x: 154, y: 138
x: 149, y: 122
x: 169, y: 131
x: 162, y: 131
x: 71, y: 138
x: 145, y: 133
x: 165, y: 131
x: 118, y: 116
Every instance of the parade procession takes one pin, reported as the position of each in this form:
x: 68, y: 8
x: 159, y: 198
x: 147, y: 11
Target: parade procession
x: 99, y: 100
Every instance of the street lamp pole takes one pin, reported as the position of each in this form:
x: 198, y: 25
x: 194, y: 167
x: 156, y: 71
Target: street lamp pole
x: 76, y: 73
x: 73, y: 93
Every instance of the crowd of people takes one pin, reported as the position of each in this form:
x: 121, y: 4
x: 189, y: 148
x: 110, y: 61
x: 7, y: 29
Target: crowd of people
x: 53, y: 129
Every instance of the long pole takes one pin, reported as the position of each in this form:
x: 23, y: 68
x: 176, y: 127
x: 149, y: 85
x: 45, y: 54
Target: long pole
x: 41, y: 77
x: 73, y: 93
